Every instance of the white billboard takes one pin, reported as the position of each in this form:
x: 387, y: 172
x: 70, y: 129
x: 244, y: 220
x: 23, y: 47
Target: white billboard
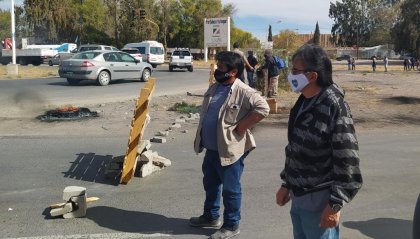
x: 217, y: 32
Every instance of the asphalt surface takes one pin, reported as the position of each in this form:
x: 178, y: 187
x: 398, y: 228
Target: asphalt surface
x: 56, y: 91
x: 35, y: 170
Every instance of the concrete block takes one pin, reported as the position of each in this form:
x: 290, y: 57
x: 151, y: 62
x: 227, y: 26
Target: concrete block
x: 143, y: 146
x: 158, y: 140
x: 179, y: 120
x: 272, y: 103
x: 161, y: 161
x: 68, y: 207
x: 81, y: 207
x: 73, y: 191
x: 147, y: 156
x: 146, y: 169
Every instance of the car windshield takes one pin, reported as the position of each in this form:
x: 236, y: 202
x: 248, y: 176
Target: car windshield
x: 156, y: 50
x: 89, y: 48
x: 130, y: 51
x: 86, y: 55
x: 181, y: 53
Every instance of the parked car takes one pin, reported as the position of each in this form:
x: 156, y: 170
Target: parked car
x: 134, y: 52
x: 103, y: 66
x: 181, y: 58
x: 151, y: 51
x: 343, y: 57
x: 86, y: 47
x: 55, y: 60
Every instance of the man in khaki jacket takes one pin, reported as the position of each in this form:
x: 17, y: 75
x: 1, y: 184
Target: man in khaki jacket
x: 229, y: 109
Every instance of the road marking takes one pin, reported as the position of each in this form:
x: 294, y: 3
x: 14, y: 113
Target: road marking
x: 99, y: 236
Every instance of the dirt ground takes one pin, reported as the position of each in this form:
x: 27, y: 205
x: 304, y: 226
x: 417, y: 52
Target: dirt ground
x: 379, y: 101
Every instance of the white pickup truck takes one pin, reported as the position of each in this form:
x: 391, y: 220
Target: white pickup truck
x: 181, y: 58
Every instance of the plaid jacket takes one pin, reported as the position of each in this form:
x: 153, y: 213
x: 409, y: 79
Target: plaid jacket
x: 323, y: 150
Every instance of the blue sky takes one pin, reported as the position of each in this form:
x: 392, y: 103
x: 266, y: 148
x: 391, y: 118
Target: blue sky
x: 254, y: 16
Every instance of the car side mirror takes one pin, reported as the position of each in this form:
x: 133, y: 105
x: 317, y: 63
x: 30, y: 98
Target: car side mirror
x: 137, y: 61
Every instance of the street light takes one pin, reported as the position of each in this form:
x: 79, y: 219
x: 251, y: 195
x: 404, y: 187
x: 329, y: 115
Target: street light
x: 12, y: 13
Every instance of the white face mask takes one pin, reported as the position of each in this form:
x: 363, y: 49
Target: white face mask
x: 297, y: 82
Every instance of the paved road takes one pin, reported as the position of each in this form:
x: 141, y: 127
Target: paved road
x: 56, y: 91
x: 34, y: 171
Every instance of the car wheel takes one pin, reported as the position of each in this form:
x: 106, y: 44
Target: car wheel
x: 145, y: 75
x: 171, y: 68
x: 190, y: 69
x: 50, y: 63
x: 73, y: 81
x: 103, y: 78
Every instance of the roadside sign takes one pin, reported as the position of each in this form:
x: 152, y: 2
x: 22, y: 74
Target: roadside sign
x: 216, y: 32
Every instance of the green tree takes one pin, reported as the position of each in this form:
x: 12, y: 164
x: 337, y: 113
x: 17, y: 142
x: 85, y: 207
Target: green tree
x: 406, y: 31
x: 317, y: 34
x: 350, y: 22
x: 5, y: 25
x: 287, y: 39
x: 245, y: 39
x: 270, y: 34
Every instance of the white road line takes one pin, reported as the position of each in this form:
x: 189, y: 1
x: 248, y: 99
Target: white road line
x: 99, y: 236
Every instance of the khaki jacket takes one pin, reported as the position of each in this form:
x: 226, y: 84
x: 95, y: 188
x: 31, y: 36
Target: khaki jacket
x: 241, y: 100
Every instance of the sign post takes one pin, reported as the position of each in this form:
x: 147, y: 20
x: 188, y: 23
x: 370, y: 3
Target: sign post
x: 216, y: 33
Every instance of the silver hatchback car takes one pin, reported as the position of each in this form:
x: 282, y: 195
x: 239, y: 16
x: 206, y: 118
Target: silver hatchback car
x: 103, y: 66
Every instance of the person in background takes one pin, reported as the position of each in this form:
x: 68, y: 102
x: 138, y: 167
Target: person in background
x: 271, y: 83
x: 349, y: 64
x: 321, y: 172
x: 386, y: 61
x: 353, y: 64
x: 252, y: 60
x: 229, y: 110
x: 374, y: 63
x: 242, y: 75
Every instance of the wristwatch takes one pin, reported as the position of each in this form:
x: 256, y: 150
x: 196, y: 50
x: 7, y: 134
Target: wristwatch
x: 336, y: 207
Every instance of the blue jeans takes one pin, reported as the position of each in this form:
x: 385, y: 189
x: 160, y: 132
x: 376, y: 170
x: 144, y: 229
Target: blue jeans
x: 216, y: 175
x: 250, y: 76
x: 306, y: 225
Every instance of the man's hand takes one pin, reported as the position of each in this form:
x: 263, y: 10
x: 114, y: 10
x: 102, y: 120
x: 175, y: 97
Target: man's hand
x: 329, y: 217
x: 282, y: 196
x: 240, y: 130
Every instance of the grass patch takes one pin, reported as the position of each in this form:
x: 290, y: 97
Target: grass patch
x: 185, y: 108
x: 29, y: 72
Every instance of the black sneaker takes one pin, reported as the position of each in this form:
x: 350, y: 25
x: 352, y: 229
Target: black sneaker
x: 203, y: 221
x: 225, y: 233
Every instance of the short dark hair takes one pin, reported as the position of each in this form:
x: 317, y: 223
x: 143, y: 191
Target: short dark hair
x: 235, y: 45
x: 232, y: 60
x: 314, y: 58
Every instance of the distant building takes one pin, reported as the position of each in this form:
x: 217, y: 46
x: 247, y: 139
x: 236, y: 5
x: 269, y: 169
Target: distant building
x: 324, y: 40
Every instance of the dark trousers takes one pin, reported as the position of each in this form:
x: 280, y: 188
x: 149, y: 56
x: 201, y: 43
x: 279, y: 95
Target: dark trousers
x: 250, y: 76
x: 223, y: 180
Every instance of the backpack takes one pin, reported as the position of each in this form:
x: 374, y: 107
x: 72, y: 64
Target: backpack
x: 279, y: 62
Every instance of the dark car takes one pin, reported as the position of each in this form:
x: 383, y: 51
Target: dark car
x: 343, y: 57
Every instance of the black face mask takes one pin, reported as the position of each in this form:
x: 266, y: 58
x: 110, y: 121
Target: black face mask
x: 221, y: 76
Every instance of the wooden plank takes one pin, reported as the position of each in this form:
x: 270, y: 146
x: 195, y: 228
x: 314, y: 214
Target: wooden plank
x: 136, y: 132
x: 88, y: 200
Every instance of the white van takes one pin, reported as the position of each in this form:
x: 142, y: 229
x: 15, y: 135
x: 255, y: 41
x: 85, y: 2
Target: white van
x: 151, y: 51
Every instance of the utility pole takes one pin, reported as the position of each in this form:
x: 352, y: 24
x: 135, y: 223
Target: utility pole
x: 12, y: 13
